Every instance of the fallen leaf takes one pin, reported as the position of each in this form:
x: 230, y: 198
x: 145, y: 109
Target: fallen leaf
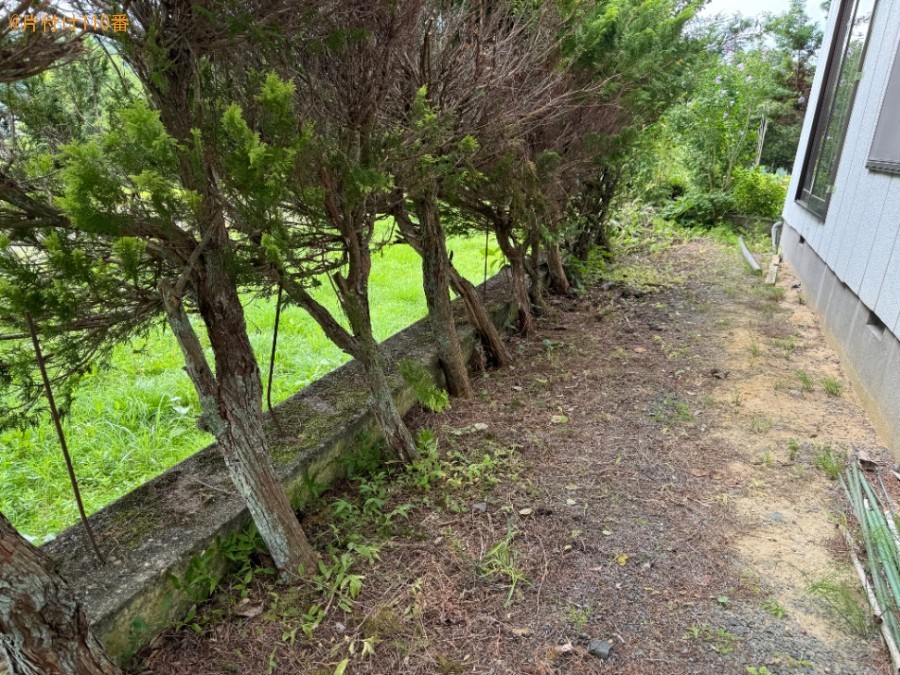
x: 571, y: 486
x: 521, y: 632
x: 606, y: 533
x: 564, y: 649
x: 639, y: 350
x: 699, y: 474
x: 571, y: 502
x: 622, y: 559
x: 480, y: 426
x: 559, y: 419
x: 524, y: 512
x: 248, y: 611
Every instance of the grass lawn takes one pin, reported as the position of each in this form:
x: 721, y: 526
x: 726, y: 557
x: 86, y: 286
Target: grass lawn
x: 136, y: 419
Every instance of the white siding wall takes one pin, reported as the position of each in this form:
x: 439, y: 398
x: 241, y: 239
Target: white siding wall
x: 860, y: 238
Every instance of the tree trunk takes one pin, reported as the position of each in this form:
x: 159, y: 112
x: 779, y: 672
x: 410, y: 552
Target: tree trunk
x: 464, y: 288
x: 436, y: 282
x: 536, y: 291
x: 383, y: 406
x: 364, y: 349
x: 480, y: 318
x: 231, y: 401
x: 559, y: 282
x: 516, y: 258
x: 43, y: 630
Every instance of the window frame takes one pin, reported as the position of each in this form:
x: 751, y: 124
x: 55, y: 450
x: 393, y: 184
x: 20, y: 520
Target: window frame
x: 891, y: 95
x: 825, y: 103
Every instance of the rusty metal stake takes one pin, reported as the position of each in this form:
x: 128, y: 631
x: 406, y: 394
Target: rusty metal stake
x: 54, y: 413
x: 272, y: 364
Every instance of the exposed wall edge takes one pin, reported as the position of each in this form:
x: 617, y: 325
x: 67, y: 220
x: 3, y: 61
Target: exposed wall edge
x: 869, y: 351
x: 153, y: 532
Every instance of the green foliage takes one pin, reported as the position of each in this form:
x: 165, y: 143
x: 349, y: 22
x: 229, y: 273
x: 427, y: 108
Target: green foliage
x: 845, y: 603
x: 427, y: 393
x: 502, y: 560
x: 132, y: 420
x: 831, y: 461
x: 758, y: 193
x: 700, y: 209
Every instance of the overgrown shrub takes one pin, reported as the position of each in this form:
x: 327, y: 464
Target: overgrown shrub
x: 759, y: 193
x: 700, y: 209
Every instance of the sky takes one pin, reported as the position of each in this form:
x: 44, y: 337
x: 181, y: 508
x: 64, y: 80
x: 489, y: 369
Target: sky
x: 753, y: 7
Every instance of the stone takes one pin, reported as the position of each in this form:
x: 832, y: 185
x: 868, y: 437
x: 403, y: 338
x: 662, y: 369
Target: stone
x: 600, y: 648
x: 776, y: 517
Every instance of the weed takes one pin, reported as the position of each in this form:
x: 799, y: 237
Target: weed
x: 503, y: 561
x: 831, y: 461
x: 761, y: 424
x: 775, y: 608
x: 806, y: 381
x: 786, y: 345
x: 832, y: 386
x: 737, y: 398
x: 761, y: 670
x: 420, y: 379
x: 672, y: 409
x: 719, y: 639
x: 755, y: 349
x: 578, y: 617
x: 793, y: 448
x: 844, y: 601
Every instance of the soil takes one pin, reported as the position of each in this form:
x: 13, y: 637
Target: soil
x: 653, y: 484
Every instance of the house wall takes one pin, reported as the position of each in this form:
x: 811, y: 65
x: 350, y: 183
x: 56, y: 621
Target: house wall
x: 850, y: 263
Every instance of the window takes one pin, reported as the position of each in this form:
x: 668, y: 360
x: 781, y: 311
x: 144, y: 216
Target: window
x: 835, y: 103
x: 884, y: 154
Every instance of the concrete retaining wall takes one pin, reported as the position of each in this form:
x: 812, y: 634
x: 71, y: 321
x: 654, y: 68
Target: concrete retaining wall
x: 151, y: 534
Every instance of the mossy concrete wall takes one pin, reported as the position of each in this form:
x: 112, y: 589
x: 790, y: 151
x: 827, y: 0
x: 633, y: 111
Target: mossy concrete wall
x: 151, y: 534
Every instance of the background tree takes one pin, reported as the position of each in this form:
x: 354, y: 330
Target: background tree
x: 42, y: 626
x: 131, y: 228
x: 305, y: 160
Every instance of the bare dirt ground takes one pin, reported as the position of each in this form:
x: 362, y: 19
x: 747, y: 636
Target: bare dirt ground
x: 641, y: 493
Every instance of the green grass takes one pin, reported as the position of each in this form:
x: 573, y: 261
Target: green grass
x: 832, y: 386
x: 134, y: 420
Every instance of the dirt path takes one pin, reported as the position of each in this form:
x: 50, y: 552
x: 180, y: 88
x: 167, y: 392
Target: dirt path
x: 643, y: 484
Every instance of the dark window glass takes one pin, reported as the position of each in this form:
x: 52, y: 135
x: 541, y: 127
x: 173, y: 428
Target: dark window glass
x: 885, y: 152
x: 835, y: 103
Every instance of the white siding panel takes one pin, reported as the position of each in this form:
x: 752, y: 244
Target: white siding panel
x: 882, y: 244
x: 855, y: 220
x: 887, y: 307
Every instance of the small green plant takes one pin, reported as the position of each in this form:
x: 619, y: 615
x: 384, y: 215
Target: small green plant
x: 844, y: 602
x: 427, y: 393
x: 793, y: 448
x: 760, y: 424
x: 737, y: 398
x: 502, y: 560
x: 831, y: 461
x: 672, y: 409
x: 762, y: 670
x: 786, y: 345
x: 806, y: 381
x: 719, y: 639
x: 578, y: 616
x: 832, y: 386
x: 773, y: 607
x: 755, y: 349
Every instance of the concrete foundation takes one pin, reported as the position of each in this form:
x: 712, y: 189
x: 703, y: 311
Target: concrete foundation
x: 869, y: 351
